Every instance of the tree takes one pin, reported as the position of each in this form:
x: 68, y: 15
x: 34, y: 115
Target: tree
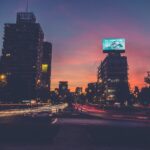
x: 122, y: 93
x: 144, y: 95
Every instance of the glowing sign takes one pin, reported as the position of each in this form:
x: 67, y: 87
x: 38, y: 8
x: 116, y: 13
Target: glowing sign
x: 113, y: 45
x: 44, y: 67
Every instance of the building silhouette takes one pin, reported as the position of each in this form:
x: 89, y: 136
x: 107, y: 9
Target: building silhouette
x: 23, y: 55
x: 46, y: 65
x: 113, y: 78
x: 78, y: 90
x: 63, y: 91
x: 91, y: 92
x: 63, y: 87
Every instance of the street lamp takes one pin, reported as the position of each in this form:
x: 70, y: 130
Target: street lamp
x: 2, y: 77
x: 3, y: 80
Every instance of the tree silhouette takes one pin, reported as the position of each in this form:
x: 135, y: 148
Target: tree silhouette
x: 144, y: 96
x: 122, y: 93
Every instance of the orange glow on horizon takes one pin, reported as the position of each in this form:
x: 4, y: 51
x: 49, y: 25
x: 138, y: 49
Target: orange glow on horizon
x: 79, y: 66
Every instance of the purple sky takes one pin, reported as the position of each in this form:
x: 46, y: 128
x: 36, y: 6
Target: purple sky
x: 76, y: 28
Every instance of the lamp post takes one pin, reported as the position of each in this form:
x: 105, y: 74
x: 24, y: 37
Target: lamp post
x: 3, y: 79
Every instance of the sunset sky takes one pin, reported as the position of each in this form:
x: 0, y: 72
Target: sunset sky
x: 76, y: 29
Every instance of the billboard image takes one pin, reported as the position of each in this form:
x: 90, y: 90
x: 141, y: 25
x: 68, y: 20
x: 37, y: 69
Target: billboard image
x: 113, y: 45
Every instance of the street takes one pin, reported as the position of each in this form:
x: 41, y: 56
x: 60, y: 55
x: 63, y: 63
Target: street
x: 73, y: 131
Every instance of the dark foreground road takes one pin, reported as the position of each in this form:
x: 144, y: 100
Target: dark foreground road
x: 73, y: 134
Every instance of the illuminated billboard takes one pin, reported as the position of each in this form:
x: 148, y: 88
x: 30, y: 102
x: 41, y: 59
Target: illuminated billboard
x: 113, y: 45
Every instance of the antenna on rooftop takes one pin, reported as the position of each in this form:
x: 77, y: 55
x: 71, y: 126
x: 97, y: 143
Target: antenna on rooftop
x: 27, y: 6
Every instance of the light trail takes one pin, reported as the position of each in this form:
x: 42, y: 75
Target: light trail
x: 46, y: 108
x: 93, y: 111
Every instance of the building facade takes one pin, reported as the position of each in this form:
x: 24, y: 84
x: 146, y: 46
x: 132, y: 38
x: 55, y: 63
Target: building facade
x: 46, y: 65
x: 63, y: 87
x: 23, y: 56
x: 91, y: 92
x: 113, y: 78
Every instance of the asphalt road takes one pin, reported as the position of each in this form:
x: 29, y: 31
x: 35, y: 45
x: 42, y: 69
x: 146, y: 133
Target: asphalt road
x: 73, y: 132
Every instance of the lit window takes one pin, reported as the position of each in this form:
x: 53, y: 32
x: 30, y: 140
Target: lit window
x: 64, y: 87
x: 44, y: 67
x: 8, y: 55
x: 8, y: 73
x: 90, y: 91
x: 111, y: 91
x: 38, y: 81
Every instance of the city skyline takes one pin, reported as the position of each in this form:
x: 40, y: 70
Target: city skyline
x: 76, y: 34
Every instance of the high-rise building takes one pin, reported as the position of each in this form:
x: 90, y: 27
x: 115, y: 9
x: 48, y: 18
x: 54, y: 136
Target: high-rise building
x: 22, y: 56
x: 91, y: 91
x: 46, y: 65
x: 113, y: 78
x: 63, y: 86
